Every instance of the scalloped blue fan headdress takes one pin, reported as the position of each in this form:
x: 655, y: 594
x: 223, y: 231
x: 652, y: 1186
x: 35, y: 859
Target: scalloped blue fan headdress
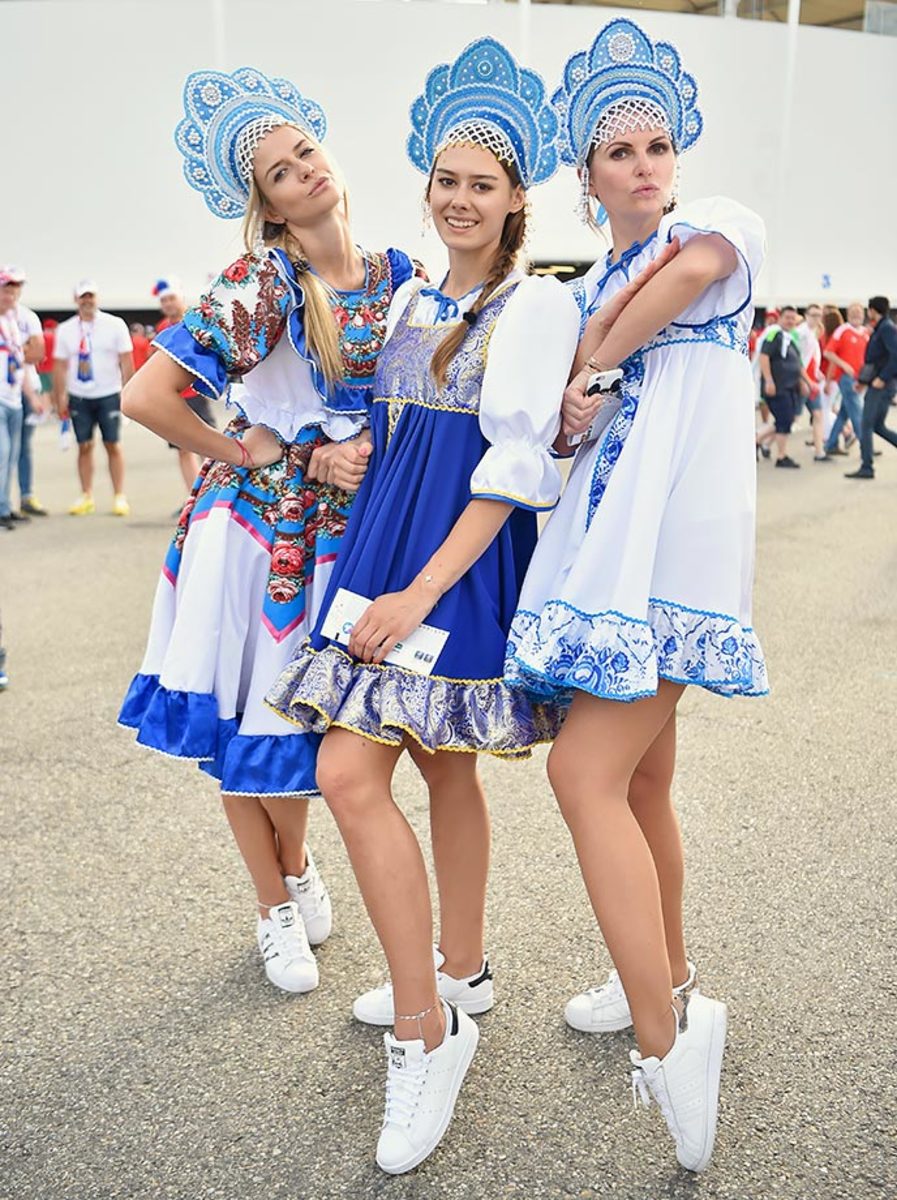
x: 485, y: 99
x: 623, y: 67
x: 226, y: 118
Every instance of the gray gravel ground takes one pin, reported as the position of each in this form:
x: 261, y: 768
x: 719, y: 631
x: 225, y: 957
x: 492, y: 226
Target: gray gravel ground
x: 145, y: 1055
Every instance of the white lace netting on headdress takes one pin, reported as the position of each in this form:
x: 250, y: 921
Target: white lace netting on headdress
x: 482, y: 134
x: 249, y: 138
x: 628, y: 116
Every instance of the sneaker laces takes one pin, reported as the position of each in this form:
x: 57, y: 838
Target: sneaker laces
x: 643, y: 1093
x: 611, y: 989
x: 403, y: 1089
x: 291, y: 943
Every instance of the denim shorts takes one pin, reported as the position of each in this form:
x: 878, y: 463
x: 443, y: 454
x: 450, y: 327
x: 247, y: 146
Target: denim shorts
x: 89, y: 412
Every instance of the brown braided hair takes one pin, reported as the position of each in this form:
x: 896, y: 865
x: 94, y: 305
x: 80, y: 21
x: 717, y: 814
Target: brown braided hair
x: 510, y: 245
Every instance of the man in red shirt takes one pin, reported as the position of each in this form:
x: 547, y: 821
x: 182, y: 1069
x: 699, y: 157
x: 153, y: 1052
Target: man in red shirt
x: 845, y: 352
x: 141, y: 345
x: 45, y: 366
x: 170, y: 295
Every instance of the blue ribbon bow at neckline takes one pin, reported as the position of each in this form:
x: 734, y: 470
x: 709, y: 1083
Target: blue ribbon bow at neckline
x: 447, y: 309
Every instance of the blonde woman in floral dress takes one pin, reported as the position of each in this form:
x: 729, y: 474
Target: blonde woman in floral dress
x: 299, y: 321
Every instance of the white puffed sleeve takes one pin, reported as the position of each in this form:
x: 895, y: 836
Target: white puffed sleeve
x: 743, y: 230
x: 529, y: 359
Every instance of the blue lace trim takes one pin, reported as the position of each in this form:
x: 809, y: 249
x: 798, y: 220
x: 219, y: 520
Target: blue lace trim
x: 617, y: 431
x: 727, y: 332
x: 561, y: 650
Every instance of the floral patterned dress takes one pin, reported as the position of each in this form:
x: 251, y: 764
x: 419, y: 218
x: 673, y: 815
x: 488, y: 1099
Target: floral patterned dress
x: 253, y: 549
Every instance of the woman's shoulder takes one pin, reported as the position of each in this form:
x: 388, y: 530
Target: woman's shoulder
x: 714, y: 214
x: 242, y: 313
x: 399, y: 266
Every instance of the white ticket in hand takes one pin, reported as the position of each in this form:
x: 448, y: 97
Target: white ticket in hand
x: 418, y: 652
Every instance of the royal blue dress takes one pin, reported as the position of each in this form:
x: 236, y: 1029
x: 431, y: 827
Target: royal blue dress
x: 483, y: 435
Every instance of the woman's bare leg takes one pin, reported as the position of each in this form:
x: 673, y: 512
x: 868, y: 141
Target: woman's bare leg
x: 590, y: 767
x: 460, y: 835
x: 355, y: 777
x: 257, y: 842
x: 289, y: 816
x: 649, y: 799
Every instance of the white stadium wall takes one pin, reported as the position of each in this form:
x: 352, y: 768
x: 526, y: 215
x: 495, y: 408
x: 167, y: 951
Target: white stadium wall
x: 799, y: 125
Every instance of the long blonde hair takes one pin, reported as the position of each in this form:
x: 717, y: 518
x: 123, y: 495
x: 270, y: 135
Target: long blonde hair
x: 321, y: 334
x: 510, y: 245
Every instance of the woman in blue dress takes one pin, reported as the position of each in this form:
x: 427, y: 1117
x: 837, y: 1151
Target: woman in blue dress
x: 441, y: 533
x: 290, y: 332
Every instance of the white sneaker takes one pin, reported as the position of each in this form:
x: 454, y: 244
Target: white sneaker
x: 474, y: 994
x: 421, y: 1090
x: 283, y: 942
x: 685, y: 1082
x: 310, y: 894
x: 605, y: 1009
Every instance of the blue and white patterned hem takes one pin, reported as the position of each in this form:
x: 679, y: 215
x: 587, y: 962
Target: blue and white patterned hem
x: 561, y: 650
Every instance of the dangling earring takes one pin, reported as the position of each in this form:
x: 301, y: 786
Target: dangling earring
x: 523, y: 254
x: 258, y: 241
x: 674, y: 195
x: 426, y: 216
x: 584, y: 203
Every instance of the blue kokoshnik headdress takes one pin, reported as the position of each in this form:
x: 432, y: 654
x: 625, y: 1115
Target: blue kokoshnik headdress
x: 485, y: 99
x: 624, y: 82
x: 226, y: 118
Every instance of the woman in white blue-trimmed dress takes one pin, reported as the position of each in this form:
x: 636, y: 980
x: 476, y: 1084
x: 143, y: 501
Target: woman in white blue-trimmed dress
x: 641, y: 582
x: 441, y: 533
x: 299, y: 320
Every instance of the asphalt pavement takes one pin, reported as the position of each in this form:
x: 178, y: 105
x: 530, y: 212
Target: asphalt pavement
x: 144, y: 1054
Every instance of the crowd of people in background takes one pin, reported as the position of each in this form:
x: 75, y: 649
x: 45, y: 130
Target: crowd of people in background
x: 74, y: 370
x: 839, y: 367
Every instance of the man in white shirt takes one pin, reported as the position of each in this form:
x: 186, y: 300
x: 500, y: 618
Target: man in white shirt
x: 94, y: 358
x: 12, y: 369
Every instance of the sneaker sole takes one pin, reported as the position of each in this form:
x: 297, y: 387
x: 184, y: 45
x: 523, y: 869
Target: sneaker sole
x: 473, y: 1008
x: 714, y: 1071
x: 611, y: 1027
x: 294, y: 991
x: 458, y: 1078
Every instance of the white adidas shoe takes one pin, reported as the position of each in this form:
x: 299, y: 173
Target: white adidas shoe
x: 283, y: 942
x: 310, y: 894
x: 421, y: 1090
x: 685, y: 1082
x: 474, y: 994
x: 605, y: 1009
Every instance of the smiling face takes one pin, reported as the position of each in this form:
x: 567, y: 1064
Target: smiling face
x: 471, y: 196
x: 87, y: 306
x: 295, y: 178
x: 634, y: 175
